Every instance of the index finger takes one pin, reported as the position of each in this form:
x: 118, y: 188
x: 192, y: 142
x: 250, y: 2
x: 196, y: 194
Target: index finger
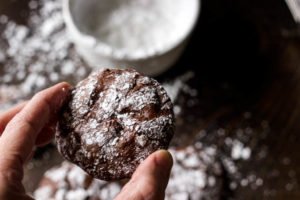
x: 19, y: 136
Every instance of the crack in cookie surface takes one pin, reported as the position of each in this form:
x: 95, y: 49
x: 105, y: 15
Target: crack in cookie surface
x: 113, y: 121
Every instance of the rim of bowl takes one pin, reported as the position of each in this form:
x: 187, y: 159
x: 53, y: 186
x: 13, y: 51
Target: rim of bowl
x: 108, y: 51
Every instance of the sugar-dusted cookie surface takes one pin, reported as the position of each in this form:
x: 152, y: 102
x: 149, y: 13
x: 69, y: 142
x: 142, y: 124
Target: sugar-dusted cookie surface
x: 113, y: 121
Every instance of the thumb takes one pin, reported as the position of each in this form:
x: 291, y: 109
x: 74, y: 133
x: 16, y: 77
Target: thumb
x: 150, y: 179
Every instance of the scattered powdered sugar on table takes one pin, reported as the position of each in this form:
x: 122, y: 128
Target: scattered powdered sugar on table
x: 38, y: 55
x: 196, y: 175
x: 238, y: 147
x: 178, y: 86
x: 174, y: 87
x: 69, y: 182
x: 239, y: 151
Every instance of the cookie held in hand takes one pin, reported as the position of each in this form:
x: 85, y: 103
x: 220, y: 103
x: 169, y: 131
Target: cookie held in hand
x: 114, y: 119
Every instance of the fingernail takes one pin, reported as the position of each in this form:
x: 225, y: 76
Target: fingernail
x: 163, y: 158
x: 64, y: 93
x: 61, y: 97
x: 65, y: 90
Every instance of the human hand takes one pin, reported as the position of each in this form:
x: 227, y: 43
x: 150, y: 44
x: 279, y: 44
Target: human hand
x: 31, y: 123
x: 21, y: 128
x: 150, y: 180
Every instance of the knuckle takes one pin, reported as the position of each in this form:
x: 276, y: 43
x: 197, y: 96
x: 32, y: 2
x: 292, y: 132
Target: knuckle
x: 23, y: 123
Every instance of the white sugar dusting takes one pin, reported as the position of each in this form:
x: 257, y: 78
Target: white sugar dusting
x: 57, y: 174
x: 70, y: 182
x: 135, y: 27
x: 122, y: 110
x: 194, y: 174
x: 239, y: 151
x: 178, y: 86
x: 44, y: 192
x: 39, y: 55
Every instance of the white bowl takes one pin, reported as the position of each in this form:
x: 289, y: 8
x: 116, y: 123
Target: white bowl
x: 93, y: 35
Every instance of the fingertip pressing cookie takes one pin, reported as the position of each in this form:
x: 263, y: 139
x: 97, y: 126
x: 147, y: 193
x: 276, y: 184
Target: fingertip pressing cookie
x: 114, y: 119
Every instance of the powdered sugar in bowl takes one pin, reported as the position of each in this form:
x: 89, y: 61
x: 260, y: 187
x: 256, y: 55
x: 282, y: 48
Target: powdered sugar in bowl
x: 148, y: 35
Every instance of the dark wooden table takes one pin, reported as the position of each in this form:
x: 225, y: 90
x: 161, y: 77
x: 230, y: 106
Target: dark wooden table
x: 246, y: 58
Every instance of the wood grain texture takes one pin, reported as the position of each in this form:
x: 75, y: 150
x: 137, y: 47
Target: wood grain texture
x: 246, y: 58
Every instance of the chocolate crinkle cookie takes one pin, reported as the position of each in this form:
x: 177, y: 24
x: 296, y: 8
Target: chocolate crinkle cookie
x: 114, y: 119
x: 69, y: 182
x: 196, y: 175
